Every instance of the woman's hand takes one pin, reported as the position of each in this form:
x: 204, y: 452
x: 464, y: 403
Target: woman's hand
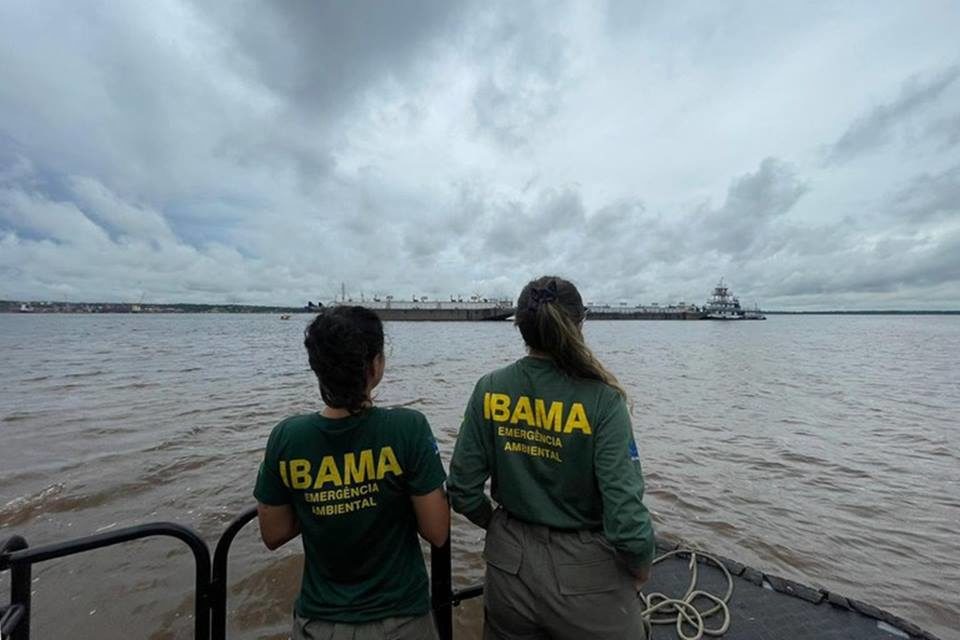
x: 640, y: 577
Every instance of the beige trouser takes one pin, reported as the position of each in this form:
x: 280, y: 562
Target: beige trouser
x: 559, y: 585
x: 407, y: 628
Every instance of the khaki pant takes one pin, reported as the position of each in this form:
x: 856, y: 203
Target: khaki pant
x: 407, y: 628
x: 544, y: 584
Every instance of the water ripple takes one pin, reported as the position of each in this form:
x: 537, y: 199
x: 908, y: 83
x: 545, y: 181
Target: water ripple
x: 781, y: 444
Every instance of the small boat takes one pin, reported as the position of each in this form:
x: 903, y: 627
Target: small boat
x: 285, y: 316
x: 25, y: 308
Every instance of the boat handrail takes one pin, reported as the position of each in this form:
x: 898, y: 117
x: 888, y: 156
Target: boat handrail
x: 218, y: 580
x: 210, y: 597
x: 19, y: 557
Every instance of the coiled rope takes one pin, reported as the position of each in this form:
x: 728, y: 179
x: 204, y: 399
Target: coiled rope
x: 682, y: 611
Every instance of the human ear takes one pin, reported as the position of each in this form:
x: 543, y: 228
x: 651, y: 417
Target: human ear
x: 376, y: 372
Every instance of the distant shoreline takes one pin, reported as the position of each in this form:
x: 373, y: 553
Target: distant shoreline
x: 867, y: 312
x: 36, y: 307
x: 14, y: 306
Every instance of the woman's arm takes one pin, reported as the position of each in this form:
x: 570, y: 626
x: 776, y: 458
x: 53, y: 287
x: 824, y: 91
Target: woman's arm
x: 626, y: 521
x: 470, y: 465
x: 278, y: 524
x: 433, y: 516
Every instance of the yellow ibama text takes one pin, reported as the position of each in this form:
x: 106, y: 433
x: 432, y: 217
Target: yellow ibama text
x: 500, y: 407
x: 354, y: 468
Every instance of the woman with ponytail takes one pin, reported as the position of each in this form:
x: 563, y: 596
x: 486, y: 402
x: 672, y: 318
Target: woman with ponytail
x: 357, y: 483
x: 571, y: 541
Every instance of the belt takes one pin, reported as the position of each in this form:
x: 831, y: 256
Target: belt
x: 544, y: 532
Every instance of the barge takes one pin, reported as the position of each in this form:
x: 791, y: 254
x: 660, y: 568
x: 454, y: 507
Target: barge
x: 722, y: 305
x: 653, y: 312
x: 423, y: 309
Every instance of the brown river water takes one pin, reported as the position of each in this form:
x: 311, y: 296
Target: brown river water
x: 825, y: 449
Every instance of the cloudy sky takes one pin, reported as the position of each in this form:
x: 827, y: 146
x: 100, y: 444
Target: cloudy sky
x: 265, y: 152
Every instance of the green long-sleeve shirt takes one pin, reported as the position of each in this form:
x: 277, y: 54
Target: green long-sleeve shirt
x: 559, y: 451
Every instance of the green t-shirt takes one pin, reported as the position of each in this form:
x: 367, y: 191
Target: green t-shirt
x: 559, y: 452
x: 350, y: 481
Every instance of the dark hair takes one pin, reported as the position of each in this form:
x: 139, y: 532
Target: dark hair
x: 342, y: 342
x: 549, y: 313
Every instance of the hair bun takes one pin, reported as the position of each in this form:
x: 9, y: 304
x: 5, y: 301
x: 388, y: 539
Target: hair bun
x: 341, y: 344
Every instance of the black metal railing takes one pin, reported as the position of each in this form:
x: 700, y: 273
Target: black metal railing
x: 219, y: 579
x: 210, y: 591
x: 19, y: 557
x: 15, y: 621
x: 441, y: 587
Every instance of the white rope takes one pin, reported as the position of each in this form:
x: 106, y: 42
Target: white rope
x: 682, y: 611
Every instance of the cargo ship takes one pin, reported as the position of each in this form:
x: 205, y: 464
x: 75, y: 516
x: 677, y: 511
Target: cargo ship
x: 722, y: 305
x: 423, y: 309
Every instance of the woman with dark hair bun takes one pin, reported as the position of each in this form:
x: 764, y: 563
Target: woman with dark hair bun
x: 357, y: 483
x: 571, y: 541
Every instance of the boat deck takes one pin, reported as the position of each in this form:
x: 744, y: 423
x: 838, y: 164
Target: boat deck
x: 765, y: 607
x: 762, y: 606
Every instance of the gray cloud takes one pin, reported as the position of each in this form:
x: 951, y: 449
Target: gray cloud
x: 267, y: 152
x: 929, y: 196
x: 323, y: 56
x: 913, y: 263
x: 754, y: 202
x: 876, y: 127
x: 522, y: 83
x: 528, y: 232
x: 945, y: 131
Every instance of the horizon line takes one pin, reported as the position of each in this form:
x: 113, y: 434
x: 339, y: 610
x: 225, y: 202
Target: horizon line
x: 305, y: 308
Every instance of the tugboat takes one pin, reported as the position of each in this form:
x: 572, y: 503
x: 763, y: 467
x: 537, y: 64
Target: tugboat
x: 723, y: 305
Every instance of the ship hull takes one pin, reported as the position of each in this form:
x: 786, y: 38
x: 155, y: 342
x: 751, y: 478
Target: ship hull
x: 445, y: 315
x: 647, y: 315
